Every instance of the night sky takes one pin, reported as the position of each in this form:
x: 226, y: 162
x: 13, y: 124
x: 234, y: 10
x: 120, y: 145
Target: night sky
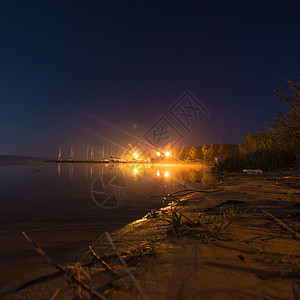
x: 64, y: 65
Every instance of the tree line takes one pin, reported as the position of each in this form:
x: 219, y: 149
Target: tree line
x: 212, y: 152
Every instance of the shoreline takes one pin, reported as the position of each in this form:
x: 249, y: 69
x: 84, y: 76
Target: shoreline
x: 227, y: 266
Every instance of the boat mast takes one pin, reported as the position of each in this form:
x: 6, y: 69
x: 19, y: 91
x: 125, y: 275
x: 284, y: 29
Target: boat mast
x: 87, y: 152
x: 92, y: 153
x: 72, y: 152
x: 59, y: 154
x: 110, y: 148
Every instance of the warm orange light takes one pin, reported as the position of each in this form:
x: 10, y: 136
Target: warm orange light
x: 135, y: 171
x: 167, y: 153
x: 158, y: 154
x: 135, y: 155
x: 167, y: 174
x: 157, y: 173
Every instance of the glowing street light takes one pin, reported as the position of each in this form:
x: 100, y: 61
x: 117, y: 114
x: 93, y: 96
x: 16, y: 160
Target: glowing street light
x: 158, y: 154
x: 167, y: 174
x: 167, y: 154
x: 135, y: 155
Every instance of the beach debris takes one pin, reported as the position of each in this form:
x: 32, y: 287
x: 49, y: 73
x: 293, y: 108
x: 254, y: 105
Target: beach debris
x: 33, y: 171
x: 293, y: 232
x: 74, y: 274
x: 107, y: 267
x: 253, y: 171
x: 241, y: 257
x: 152, y: 214
x: 137, y: 284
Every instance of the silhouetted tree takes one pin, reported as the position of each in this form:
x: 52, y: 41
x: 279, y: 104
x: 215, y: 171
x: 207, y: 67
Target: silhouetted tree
x: 183, y: 154
x: 193, y: 153
x: 199, y: 152
x: 212, y: 152
x: 204, y: 151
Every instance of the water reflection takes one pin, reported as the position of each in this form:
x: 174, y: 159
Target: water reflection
x: 58, y: 170
x: 142, y: 180
x: 176, y: 174
x: 56, y: 204
x: 71, y: 172
x: 89, y: 171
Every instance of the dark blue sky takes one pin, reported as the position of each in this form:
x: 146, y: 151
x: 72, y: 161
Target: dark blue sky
x: 128, y: 61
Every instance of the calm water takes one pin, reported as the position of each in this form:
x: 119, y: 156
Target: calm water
x: 66, y: 206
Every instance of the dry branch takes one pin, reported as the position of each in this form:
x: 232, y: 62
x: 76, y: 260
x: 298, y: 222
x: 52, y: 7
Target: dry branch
x: 71, y: 271
x: 126, y: 267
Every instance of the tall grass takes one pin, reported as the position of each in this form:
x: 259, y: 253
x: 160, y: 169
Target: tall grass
x: 265, y: 159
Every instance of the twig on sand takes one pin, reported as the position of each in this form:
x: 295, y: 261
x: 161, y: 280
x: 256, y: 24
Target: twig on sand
x: 126, y: 267
x: 58, y: 290
x: 105, y: 265
x: 91, y: 247
x: 295, y: 234
x: 41, y: 252
x: 71, y: 272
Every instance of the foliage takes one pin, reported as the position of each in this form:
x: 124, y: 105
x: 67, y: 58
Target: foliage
x: 265, y: 159
x: 204, y: 151
x: 193, y: 153
x: 212, y: 152
x: 197, y: 153
x: 175, y: 219
x: 209, y: 225
x: 183, y: 153
x: 278, y: 146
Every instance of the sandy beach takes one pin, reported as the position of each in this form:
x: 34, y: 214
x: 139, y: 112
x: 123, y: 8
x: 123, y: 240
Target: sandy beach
x: 238, y: 239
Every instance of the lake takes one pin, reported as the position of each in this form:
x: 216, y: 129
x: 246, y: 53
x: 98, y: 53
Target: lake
x: 64, y: 207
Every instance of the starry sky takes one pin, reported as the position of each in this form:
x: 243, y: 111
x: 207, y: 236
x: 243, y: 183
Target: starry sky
x: 76, y: 72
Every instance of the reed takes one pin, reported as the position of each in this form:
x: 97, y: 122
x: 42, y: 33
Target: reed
x: 265, y: 159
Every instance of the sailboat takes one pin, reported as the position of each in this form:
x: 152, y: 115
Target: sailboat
x: 59, y: 154
x: 111, y: 158
x: 92, y: 154
x: 72, y: 153
x: 87, y: 152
